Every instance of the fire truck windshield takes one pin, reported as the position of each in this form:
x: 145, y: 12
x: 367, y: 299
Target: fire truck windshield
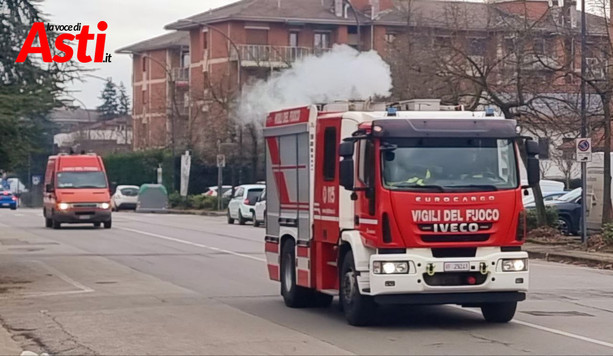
x: 450, y: 164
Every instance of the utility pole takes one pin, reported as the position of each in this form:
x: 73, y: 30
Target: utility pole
x: 583, y: 126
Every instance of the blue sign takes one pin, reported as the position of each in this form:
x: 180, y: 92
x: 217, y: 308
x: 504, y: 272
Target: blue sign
x: 36, y: 180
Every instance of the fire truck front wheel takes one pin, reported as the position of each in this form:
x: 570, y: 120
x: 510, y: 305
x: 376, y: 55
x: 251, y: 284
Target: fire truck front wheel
x: 359, y: 309
x: 294, y: 295
x: 498, y: 312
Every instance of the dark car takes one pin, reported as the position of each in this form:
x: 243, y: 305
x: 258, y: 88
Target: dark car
x: 569, y: 211
x: 8, y: 200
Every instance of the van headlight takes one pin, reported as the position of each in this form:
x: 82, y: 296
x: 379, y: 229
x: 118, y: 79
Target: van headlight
x: 63, y: 206
x: 395, y: 267
x: 105, y: 205
x: 515, y: 265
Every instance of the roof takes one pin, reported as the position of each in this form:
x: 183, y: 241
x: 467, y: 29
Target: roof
x: 65, y: 115
x: 175, y: 39
x: 287, y: 11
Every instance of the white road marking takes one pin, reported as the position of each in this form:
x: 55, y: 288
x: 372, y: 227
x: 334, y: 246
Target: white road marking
x: 168, y: 238
x: 550, y: 330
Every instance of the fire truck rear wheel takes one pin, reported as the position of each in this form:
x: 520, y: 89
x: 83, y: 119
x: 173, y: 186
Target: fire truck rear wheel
x: 499, y: 312
x: 359, y: 309
x: 294, y: 295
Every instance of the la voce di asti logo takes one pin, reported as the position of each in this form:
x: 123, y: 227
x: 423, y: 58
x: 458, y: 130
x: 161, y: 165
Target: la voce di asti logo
x: 63, y: 41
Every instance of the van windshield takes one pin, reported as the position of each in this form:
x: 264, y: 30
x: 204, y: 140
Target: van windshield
x: 81, y: 180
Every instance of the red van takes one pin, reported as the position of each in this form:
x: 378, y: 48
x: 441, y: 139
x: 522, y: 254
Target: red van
x: 76, y: 191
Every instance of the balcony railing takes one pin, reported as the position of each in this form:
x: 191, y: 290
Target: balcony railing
x: 180, y: 74
x: 266, y: 55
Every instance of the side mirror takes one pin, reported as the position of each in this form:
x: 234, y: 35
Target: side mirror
x: 534, y: 171
x: 49, y: 188
x: 532, y: 148
x: 346, y: 173
x: 346, y: 149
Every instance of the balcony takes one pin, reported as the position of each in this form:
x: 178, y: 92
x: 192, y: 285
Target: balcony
x: 180, y: 75
x: 273, y: 56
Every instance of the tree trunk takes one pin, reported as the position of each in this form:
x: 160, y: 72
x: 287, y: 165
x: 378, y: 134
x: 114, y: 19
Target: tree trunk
x: 606, y: 192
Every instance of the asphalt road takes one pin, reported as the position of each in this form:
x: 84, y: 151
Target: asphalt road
x: 181, y: 284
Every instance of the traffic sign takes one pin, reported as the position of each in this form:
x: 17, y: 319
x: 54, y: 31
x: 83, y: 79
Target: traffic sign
x: 584, y: 149
x: 221, y: 161
x: 36, y: 180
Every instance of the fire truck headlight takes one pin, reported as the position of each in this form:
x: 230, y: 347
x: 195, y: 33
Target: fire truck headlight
x: 382, y: 267
x: 63, y: 206
x: 515, y: 265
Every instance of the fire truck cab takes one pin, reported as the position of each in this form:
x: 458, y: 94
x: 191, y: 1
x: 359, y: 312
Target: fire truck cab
x: 396, y: 206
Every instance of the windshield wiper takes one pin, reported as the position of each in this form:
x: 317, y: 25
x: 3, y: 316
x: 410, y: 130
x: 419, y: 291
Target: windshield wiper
x: 486, y: 187
x: 417, y: 186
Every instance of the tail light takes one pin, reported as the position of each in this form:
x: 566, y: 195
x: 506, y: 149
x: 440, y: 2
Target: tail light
x: 14, y: 198
x: 520, y: 235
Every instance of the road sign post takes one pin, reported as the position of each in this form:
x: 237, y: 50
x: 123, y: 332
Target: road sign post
x: 221, y: 163
x: 583, y: 155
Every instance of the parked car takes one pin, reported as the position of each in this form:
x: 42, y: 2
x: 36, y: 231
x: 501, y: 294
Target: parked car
x: 547, y: 186
x: 8, y: 200
x: 212, y: 192
x: 260, y: 210
x: 569, y: 211
x: 125, y: 197
x: 529, y: 203
x: 242, y: 205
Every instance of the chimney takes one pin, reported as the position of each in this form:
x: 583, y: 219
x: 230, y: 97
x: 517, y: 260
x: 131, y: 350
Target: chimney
x: 338, y: 8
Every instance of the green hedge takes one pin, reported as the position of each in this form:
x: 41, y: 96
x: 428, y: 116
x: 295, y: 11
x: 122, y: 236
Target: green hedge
x: 140, y: 167
x: 198, y: 201
x: 552, y: 218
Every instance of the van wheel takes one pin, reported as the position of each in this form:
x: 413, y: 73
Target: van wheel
x: 498, y: 312
x: 107, y: 224
x: 48, y: 222
x: 359, y: 309
x: 230, y: 220
x: 56, y: 224
x: 241, y: 219
x: 294, y: 296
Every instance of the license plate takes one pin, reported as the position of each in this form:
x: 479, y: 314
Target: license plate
x: 84, y: 217
x: 6, y: 204
x: 456, y: 266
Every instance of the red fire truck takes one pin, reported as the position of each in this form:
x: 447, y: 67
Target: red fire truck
x: 397, y: 206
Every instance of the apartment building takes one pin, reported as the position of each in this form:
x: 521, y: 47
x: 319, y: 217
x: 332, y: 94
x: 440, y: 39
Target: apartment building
x: 217, y: 52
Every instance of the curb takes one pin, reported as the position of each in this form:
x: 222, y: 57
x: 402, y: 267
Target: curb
x: 559, y: 256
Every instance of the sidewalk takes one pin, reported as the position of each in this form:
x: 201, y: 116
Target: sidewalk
x: 566, y: 253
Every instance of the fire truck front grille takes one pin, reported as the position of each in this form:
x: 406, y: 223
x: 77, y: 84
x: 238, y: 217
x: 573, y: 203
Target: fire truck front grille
x: 455, y: 279
x: 455, y: 238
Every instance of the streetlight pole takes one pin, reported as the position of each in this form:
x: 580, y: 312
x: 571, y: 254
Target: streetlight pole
x: 583, y: 125
x: 357, y: 20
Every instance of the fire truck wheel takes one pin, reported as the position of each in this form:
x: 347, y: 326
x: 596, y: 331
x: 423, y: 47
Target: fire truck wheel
x: 230, y: 220
x: 294, y: 296
x: 241, y: 219
x: 359, y: 309
x: 498, y: 312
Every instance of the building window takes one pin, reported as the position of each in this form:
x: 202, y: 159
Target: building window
x: 476, y: 47
x: 543, y: 147
x: 185, y: 59
x: 390, y: 38
x: 144, y: 97
x: 322, y: 40
x: 293, y: 39
x: 205, y: 42
x: 144, y: 63
x: 509, y: 45
x: 330, y: 158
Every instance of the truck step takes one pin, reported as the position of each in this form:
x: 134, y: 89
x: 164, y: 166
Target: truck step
x: 332, y: 263
x: 332, y: 292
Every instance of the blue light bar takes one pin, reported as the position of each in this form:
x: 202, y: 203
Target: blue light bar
x: 391, y: 111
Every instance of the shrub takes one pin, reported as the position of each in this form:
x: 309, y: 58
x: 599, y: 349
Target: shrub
x: 552, y: 218
x: 607, y: 233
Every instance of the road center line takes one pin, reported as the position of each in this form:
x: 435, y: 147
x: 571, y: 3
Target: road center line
x: 530, y: 325
x: 549, y: 330
x: 168, y: 238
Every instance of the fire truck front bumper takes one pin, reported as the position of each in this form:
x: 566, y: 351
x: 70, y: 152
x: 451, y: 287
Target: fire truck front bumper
x: 491, y: 276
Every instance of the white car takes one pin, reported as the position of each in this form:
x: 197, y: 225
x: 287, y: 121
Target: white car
x: 260, y: 210
x: 243, y: 202
x: 125, y: 197
x: 212, y: 192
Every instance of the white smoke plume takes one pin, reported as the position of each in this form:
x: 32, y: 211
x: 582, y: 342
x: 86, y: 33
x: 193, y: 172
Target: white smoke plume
x: 340, y: 74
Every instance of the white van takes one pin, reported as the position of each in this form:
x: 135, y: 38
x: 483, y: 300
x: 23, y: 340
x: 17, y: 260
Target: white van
x: 595, y: 185
x: 547, y: 186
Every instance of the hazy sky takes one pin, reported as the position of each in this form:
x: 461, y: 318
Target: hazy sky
x: 129, y: 21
